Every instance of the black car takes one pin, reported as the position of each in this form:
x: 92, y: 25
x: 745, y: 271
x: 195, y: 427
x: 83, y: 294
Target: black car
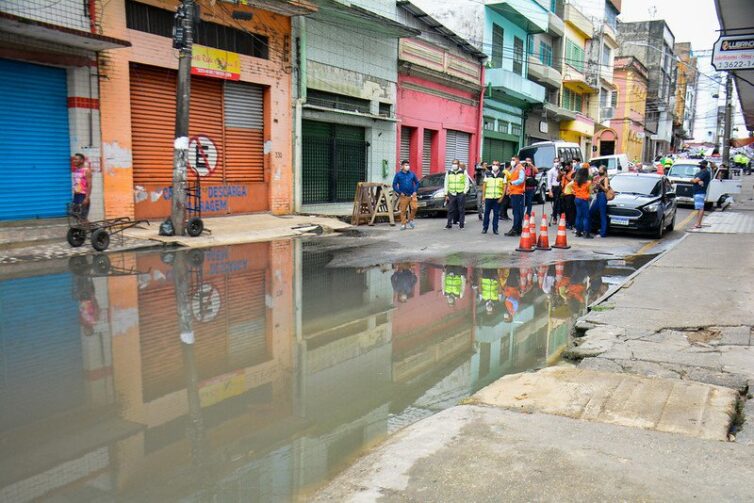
x: 431, y: 194
x: 643, y: 203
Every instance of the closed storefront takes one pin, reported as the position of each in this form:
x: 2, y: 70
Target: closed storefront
x: 405, y: 144
x: 227, y: 142
x: 498, y: 150
x: 427, y: 152
x: 456, y: 147
x: 34, y: 141
x: 334, y: 160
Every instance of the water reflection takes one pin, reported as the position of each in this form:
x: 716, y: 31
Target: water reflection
x: 253, y: 371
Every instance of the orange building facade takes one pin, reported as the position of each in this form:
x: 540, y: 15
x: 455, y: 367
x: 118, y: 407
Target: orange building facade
x: 240, y: 118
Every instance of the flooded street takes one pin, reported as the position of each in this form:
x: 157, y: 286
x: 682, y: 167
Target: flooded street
x: 253, y: 372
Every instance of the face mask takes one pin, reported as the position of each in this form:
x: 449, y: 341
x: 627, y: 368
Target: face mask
x: 495, y: 169
x: 406, y: 168
x: 455, y: 167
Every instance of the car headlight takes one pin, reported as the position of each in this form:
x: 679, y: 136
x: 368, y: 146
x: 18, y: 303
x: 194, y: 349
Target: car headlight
x: 652, y: 208
x: 439, y: 194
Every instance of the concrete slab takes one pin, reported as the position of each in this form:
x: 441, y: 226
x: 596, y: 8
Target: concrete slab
x: 669, y: 405
x: 471, y: 453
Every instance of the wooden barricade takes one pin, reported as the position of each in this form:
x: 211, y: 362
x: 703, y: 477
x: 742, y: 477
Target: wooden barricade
x: 373, y: 200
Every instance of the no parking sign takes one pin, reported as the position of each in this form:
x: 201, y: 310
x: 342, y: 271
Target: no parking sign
x: 202, y: 154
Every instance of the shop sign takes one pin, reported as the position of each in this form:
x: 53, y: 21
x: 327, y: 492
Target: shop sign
x: 733, y: 52
x: 210, y: 62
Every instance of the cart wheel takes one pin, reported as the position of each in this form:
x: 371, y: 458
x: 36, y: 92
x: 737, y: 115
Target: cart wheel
x: 100, y: 240
x: 196, y: 258
x: 167, y: 258
x: 76, y: 237
x: 195, y: 226
x: 78, y: 264
x: 101, y: 264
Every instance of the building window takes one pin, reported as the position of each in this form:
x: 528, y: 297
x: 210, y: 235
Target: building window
x: 614, y: 99
x: 337, y: 101
x: 604, y: 97
x: 385, y: 109
x: 516, y: 129
x: 554, y: 6
x: 611, y: 15
x: 489, y: 124
x: 545, y: 53
x: 518, y: 56
x: 574, y: 55
x: 143, y: 17
x: 572, y: 101
x: 497, y: 46
x: 530, y: 43
x: 502, y: 126
x: 607, y: 57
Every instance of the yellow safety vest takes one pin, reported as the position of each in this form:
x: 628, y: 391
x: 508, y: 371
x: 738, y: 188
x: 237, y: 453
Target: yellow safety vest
x: 456, y: 182
x: 493, y: 187
x: 453, y: 285
x: 490, y: 289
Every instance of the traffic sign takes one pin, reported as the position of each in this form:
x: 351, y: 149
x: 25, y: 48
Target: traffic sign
x: 202, y: 154
x: 734, y: 52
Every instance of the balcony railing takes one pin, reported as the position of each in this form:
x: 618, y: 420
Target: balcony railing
x: 578, y: 20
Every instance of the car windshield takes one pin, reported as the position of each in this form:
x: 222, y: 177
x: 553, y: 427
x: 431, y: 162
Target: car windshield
x: 610, y: 163
x: 432, y: 181
x: 683, y: 170
x: 543, y: 155
x: 635, y: 184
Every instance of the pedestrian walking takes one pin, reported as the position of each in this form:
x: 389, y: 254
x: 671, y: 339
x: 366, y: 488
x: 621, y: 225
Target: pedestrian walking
x: 598, y: 210
x: 403, y: 281
x: 456, y: 187
x: 479, y: 174
x: 530, y: 184
x: 453, y: 283
x: 582, y: 188
x: 81, y: 177
x: 516, y: 191
x: 493, y: 189
x: 405, y: 185
x: 701, y: 182
x: 553, y: 189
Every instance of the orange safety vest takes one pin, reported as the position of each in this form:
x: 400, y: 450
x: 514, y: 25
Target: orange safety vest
x: 516, y: 189
x: 582, y: 191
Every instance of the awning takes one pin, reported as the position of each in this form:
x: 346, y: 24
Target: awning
x: 342, y: 12
x: 735, y: 19
x: 60, y: 35
x: 581, y: 125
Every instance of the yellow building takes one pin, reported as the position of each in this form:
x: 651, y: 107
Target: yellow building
x: 631, y: 78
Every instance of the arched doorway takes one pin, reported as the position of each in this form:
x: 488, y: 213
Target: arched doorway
x: 606, y: 140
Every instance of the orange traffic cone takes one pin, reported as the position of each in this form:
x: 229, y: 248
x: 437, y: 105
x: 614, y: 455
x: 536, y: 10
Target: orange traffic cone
x: 561, y: 241
x: 541, y: 275
x: 559, y: 270
x: 525, y: 244
x: 543, y: 243
x: 533, y: 229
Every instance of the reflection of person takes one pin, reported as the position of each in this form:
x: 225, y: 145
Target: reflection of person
x: 512, y: 293
x: 403, y: 281
x: 453, y: 283
x: 81, y: 177
x: 489, y: 289
x: 88, y: 307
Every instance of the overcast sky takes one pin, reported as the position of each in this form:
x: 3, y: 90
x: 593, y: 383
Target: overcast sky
x: 692, y: 21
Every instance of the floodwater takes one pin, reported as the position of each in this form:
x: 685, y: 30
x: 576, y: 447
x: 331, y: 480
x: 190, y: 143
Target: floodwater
x: 252, y: 372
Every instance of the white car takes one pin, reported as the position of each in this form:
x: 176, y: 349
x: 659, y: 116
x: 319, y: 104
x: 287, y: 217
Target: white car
x: 616, y: 163
x: 718, y: 192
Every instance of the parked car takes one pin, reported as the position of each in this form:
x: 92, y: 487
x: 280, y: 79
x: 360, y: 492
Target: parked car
x: 543, y: 154
x: 643, y: 203
x: 431, y: 195
x: 616, y: 163
x: 722, y: 186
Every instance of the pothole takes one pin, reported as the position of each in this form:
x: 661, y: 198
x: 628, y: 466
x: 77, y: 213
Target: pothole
x: 702, y: 336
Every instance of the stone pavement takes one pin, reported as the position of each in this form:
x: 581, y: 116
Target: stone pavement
x: 476, y: 453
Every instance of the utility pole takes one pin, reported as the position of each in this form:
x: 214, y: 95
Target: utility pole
x: 728, y: 117
x: 183, y: 38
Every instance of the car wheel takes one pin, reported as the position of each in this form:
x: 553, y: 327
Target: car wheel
x: 659, y: 231
x: 671, y: 227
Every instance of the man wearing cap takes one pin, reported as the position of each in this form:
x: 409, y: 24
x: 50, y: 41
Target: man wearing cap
x: 701, y: 182
x: 405, y: 185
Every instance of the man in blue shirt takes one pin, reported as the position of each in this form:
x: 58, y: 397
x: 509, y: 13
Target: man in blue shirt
x: 701, y: 182
x: 405, y: 184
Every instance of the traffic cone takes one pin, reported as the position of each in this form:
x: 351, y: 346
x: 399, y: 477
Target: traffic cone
x: 559, y: 270
x: 541, y: 275
x: 525, y: 244
x: 561, y: 241
x: 533, y: 229
x: 543, y: 243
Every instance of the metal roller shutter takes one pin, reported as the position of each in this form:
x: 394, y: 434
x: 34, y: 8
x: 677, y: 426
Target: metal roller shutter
x: 34, y: 141
x: 456, y: 147
x: 405, y: 144
x: 244, y: 132
x: 427, y: 152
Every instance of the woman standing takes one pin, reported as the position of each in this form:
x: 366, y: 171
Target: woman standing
x: 601, y: 185
x: 569, y: 204
x: 582, y: 187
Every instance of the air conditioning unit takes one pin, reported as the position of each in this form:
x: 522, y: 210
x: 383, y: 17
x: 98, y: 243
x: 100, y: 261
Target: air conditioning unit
x: 607, y: 113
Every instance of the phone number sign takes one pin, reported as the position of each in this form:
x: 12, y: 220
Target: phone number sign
x: 733, y: 53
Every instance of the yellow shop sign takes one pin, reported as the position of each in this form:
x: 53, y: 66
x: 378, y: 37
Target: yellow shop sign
x: 217, y: 63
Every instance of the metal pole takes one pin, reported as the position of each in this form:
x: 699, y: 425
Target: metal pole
x: 728, y: 117
x: 183, y: 99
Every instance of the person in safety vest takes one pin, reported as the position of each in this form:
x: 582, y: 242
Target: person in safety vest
x: 453, y: 283
x: 456, y: 187
x: 516, y: 190
x: 512, y: 293
x: 493, y: 190
x: 489, y: 290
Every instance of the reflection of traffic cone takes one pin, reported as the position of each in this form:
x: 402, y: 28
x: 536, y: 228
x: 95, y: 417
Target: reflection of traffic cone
x: 559, y: 270
x: 543, y: 243
x: 533, y: 229
x: 561, y: 241
x: 525, y: 244
x: 541, y: 274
